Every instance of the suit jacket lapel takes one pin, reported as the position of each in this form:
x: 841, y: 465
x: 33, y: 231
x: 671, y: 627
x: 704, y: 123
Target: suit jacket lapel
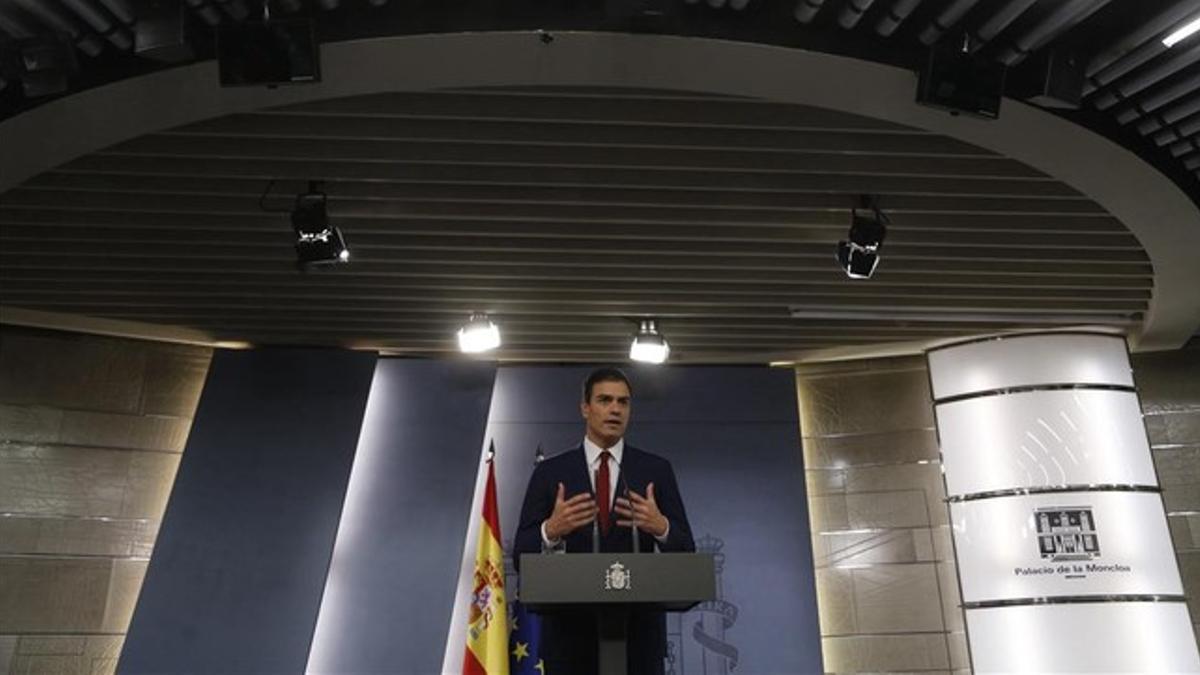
x: 580, y: 479
x: 576, y: 481
x: 629, y: 471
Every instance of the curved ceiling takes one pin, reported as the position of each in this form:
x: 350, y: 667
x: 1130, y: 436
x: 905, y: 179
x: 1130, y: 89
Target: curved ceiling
x: 1109, y: 64
x: 570, y: 192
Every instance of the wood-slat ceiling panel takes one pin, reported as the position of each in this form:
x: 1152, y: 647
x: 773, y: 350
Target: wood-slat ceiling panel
x: 595, y: 134
x: 119, y: 226
x: 1134, y: 283
x: 590, y: 106
x: 521, y: 220
x: 633, y: 157
x: 568, y: 214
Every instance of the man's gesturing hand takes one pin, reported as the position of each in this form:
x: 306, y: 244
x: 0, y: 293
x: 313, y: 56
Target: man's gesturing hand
x: 569, y: 514
x: 642, y: 511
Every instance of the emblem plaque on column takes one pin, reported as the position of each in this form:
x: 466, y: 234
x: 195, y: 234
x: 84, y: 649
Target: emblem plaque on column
x: 1066, y: 533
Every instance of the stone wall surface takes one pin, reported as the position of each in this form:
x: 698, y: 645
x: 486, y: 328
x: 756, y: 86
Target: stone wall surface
x: 91, y: 431
x: 887, y: 591
x: 1169, y: 386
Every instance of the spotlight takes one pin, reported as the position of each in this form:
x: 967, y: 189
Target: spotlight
x: 649, y: 345
x: 317, y: 242
x: 860, y: 255
x: 479, y: 334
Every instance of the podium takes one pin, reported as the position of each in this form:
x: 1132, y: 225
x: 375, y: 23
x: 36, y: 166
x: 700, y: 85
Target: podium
x: 611, y: 585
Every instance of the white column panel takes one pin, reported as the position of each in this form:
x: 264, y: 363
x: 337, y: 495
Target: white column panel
x: 1114, y: 637
x: 1037, y: 439
x: 1064, y: 544
x: 1078, y: 575
x: 1027, y: 360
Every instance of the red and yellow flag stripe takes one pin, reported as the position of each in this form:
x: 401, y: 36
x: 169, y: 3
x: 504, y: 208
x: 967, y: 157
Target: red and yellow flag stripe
x: 487, y: 627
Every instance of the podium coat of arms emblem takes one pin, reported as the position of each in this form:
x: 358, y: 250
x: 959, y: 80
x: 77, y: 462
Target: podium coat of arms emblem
x: 617, y: 578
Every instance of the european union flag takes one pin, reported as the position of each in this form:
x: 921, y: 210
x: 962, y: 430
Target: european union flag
x: 525, y: 631
x: 524, y: 628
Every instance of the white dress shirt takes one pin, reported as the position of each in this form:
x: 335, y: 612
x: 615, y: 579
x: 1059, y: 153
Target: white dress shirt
x: 592, y: 452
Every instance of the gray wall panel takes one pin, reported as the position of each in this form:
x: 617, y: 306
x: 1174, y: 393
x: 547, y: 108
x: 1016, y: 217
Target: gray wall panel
x: 237, y: 574
x: 391, y: 585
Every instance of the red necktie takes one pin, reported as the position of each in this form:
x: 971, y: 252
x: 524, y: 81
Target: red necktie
x: 602, y: 491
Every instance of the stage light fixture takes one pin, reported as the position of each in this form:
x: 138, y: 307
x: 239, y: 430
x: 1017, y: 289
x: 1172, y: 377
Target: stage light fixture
x: 649, y: 345
x: 478, y: 335
x: 859, y: 256
x: 317, y: 241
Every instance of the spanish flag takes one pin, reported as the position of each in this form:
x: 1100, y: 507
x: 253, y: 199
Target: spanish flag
x: 487, y: 627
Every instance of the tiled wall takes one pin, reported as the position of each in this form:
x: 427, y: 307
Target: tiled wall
x: 886, y: 586
x: 1169, y: 386
x: 91, y: 431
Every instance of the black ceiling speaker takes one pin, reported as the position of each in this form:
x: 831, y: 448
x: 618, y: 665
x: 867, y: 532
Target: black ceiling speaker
x: 163, y: 32
x: 1053, y: 80
x: 957, y: 81
x: 268, y: 53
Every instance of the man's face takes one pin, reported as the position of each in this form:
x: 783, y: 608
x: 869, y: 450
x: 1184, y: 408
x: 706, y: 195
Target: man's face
x: 607, y: 412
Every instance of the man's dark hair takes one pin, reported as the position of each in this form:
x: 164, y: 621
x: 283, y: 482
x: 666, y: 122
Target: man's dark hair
x: 605, y: 374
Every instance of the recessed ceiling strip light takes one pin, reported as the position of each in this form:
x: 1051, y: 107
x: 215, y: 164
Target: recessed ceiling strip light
x: 1183, y: 33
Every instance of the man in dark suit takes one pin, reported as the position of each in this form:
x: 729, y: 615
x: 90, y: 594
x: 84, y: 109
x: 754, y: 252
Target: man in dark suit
x: 566, y: 494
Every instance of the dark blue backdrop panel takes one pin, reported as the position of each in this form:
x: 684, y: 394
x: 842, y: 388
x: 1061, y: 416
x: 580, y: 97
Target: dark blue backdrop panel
x: 729, y: 394
x: 238, y: 570
x: 733, y: 436
x: 395, y: 569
